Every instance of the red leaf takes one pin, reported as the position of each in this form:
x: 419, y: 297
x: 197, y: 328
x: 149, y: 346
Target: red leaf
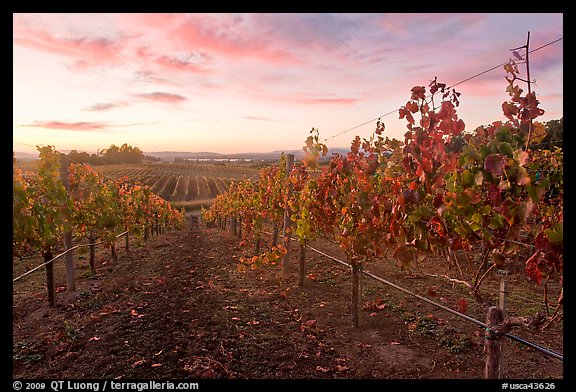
x: 509, y: 109
x: 532, y: 269
x: 458, y: 127
x: 462, y: 305
x: 541, y: 242
x: 412, y: 106
x: 355, y: 147
x: 418, y: 92
x: 494, y: 164
x: 438, y: 200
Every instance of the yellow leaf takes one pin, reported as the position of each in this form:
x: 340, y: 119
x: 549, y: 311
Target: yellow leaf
x: 538, y: 132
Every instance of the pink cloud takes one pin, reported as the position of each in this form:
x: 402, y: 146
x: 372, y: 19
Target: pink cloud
x: 82, y: 125
x: 303, y: 98
x: 85, y: 51
x: 176, y: 64
x: 229, y: 38
x: 258, y: 118
x: 101, y: 107
x: 163, y: 97
x: 70, y: 126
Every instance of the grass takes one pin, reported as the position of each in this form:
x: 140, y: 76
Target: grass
x: 192, y: 205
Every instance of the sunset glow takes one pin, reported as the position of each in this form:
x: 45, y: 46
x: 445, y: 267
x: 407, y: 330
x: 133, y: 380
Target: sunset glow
x: 234, y: 83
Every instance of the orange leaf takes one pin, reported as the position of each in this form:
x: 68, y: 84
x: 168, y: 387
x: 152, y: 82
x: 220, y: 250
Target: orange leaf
x: 138, y: 363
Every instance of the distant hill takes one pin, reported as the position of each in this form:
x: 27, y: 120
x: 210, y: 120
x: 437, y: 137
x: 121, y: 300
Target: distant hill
x: 171, y: 155
x: 25, y: 156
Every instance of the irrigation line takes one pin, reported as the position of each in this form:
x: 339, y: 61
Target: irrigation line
x: 454, y: 312
x: 60, y: 255
x: 466, y: 317
x: 449, y: 87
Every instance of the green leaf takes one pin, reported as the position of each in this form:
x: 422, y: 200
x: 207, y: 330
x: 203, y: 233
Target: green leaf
x: 555, y: 234
x: 475, y: 226
x: 497, y: 221
x: 506, y: 149
x: 467, y: 178
x: 503, y: 135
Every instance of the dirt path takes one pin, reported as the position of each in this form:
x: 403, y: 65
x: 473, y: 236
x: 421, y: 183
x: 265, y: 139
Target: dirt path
x: 178, y: 308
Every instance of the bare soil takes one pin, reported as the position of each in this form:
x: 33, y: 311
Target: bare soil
x: 179, y: 308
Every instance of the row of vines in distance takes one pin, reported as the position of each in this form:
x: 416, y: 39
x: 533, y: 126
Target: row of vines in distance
x: 93, y: 208
x: 497, y: 198
x: 181, y: 181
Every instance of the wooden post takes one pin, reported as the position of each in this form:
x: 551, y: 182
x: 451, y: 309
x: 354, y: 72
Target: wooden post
x: 127, y: 241
x: 492, y: 344
x: 355, y: 299
x: 502, y: 306
x: 257, y: 246
x: 68, y: 257
x: 50, y: 278
x: 302, y: 264
x: 275, y: 235
x: 287, y: 214
x: 92, y: 241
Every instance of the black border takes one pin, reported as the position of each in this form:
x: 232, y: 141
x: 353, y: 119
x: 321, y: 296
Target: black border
x: 305, y: 7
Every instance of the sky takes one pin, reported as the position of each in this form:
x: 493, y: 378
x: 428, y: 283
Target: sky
x: 236, y: 82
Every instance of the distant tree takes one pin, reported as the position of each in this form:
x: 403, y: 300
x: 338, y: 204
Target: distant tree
x: 149, y: 158
x: 95, y: 159
x: 122, y: 154
x: 129, y: 154
x: 79, y: 157
x: 555, y: 129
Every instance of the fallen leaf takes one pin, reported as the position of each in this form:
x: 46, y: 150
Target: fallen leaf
x: 95, y: 338
x: 134, y: 313
x: 394, y: 343
x: 322, y: 369
x: 310, y: 323
x: 159, y: 352
x: 138, y: 363
x: 373, y: 314
x: 340, y: 368
x: 156, y: 364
